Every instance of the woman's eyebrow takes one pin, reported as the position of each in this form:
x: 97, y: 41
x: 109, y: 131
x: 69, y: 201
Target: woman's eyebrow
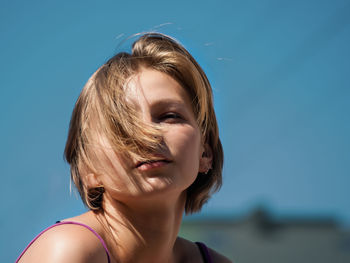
x: 168, y: 103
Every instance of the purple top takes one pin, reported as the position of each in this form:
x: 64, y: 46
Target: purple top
x: 203, y: 248
x: 64, y: 223
x: 205, y: 252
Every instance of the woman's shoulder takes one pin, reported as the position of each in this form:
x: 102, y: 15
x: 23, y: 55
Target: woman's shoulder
x: 66, y: 242
x: 217, y: 257
x: 194, y: 250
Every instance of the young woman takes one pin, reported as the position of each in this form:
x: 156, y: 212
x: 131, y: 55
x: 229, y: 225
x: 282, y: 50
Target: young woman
x: 143, y: 147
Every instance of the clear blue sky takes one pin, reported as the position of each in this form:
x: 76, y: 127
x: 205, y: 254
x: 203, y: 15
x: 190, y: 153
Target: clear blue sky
x: 280, y: 73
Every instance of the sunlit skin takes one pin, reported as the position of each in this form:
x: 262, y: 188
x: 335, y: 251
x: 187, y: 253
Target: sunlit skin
x: 143, y: 201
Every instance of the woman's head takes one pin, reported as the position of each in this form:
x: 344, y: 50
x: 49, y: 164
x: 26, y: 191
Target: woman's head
x: 103, y: 111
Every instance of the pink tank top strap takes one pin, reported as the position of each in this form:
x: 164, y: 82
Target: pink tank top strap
x: 58, y: 223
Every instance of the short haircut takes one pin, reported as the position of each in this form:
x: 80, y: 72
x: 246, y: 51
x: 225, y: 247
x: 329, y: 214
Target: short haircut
x: 102, y: 108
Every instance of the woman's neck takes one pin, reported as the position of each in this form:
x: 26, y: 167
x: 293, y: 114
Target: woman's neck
x: 143, y: 231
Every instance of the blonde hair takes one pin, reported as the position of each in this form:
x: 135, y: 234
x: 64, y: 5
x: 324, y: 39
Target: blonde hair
x: 101, y: 108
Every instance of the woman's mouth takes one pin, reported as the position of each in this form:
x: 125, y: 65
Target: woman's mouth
x: 152, y: 164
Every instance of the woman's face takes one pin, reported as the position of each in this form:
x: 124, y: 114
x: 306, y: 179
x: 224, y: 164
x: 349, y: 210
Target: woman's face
x: 160, y: 101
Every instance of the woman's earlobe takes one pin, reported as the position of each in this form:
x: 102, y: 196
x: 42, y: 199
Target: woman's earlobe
x: 206, y: 160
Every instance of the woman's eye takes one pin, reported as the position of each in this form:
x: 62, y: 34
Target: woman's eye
x: 171, y: 117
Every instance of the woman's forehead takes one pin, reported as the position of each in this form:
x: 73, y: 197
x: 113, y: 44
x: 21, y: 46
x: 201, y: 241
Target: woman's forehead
x: 154, y: 87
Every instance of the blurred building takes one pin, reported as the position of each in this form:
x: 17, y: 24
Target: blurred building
x: 260, y: 237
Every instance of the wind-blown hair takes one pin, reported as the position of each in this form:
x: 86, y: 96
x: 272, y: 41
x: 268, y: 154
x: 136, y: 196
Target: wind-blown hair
x: 102, y: 109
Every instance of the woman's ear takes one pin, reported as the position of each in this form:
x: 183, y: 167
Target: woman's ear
x: 206, y: 160
x: 92, y: 181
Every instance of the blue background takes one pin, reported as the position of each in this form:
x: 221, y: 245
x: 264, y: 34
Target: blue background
x: 280, y: 74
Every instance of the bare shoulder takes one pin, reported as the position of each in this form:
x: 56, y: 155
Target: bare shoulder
x: 191, y: 253
x: 66, y: 243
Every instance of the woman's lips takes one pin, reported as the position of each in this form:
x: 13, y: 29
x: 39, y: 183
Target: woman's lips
x: 144, y: 166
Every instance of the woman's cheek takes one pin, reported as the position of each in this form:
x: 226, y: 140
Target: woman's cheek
x: 184, y: 141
